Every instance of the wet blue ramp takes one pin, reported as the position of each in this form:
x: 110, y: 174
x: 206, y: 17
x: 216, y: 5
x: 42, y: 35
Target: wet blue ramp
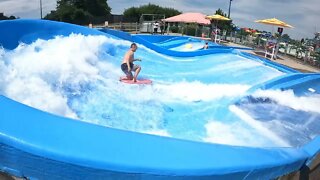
x: 301, y: 84
x: 27, y: 31
x: 148, y: 41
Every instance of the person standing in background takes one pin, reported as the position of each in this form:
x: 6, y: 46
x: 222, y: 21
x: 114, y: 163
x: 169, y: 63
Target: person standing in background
x: 155, y: 27
x: 162, y: 27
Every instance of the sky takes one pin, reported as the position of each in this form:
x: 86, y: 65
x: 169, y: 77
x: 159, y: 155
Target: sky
x: 304, y: 15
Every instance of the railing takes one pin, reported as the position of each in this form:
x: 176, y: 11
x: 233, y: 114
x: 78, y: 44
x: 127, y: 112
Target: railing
x: 128, y: 27
x: 300, y: 53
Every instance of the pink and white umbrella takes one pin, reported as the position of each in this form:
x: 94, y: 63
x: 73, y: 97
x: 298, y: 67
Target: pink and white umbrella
x: 189, y: 18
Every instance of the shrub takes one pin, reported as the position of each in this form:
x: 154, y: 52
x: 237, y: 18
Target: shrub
x: 174, y: 29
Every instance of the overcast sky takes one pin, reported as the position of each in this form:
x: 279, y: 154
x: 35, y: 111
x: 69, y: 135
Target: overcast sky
x: 304, y: 15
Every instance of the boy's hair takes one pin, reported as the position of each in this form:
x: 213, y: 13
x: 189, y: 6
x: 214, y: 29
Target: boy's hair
x: 133, y: 44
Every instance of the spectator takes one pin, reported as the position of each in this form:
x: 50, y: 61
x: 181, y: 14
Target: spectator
x: 155, y: 27
x: 162, y: 27
x: 307, y: 57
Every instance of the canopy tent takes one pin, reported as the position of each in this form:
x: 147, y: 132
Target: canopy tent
x: 189, y: 18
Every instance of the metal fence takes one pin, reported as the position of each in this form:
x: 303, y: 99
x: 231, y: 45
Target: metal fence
x: 128, y: 27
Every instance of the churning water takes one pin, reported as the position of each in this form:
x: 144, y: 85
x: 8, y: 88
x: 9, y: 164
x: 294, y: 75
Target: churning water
x: 190, y: 98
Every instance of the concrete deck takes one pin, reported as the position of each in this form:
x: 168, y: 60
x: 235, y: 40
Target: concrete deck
x: 284, y: 59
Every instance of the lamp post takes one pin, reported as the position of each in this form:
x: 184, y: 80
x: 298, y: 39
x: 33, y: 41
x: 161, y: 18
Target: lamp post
x: 41, y: 9
x: 229, y: 8
x: 229, y: 16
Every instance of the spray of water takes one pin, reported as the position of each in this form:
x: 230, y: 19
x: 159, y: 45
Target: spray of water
x: 236, y: 133
x: 287, y: 119
x: 287, y: 98
x: 45, y: 73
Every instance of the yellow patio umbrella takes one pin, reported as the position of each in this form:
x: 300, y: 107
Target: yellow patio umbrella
x: 256, y: 33
x: 217, y: 17
x: 274, y: 22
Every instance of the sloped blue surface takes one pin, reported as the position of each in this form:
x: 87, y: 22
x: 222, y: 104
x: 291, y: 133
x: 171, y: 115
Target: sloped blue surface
x: 27, y: 31
x: 148, y: 41
x: 298, y: 82
x: 40, y: 145
x: 61, y: 139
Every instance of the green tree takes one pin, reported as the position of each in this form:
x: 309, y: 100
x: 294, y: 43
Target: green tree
x: 285, y: 37
x: 136, y: 12
x: 133, y: 13
x: 3, y: 17
x: 79, y: 11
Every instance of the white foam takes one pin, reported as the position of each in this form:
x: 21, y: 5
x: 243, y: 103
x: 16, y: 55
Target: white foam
x: 197, y: 91
x: 46, y: 99
x: 311, y: 90
x: 259, y: 126
x: 35, y: 74
x: 232, y: 134
x: 159, y: 132
x: 183, y: 92
x: 287, y: 98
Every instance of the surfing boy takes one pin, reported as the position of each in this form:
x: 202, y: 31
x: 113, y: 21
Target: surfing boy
x: 127, y: 64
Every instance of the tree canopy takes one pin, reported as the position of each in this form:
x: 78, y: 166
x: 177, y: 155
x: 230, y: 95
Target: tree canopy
x: 136, y: 12
x: 3, y: 17
x: 79, y: 11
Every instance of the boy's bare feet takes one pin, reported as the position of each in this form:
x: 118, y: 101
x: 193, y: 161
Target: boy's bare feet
x: 125, y: 78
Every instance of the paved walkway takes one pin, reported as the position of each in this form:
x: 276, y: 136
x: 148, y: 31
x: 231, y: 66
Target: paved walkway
x: 292, y: 62
x: 285, y: 60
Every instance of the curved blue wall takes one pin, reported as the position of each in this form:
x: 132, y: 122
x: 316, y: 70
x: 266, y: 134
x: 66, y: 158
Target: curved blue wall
x: 154, y: 42
x: 148, y: 43
x: 36, y: 144
x: 26, y: 31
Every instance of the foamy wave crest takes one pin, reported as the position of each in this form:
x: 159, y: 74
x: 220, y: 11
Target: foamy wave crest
x: 263, y: 130
x: 287, y: 98
x: 197, y: 91
x: 233, y: 134
x: 45, y: 74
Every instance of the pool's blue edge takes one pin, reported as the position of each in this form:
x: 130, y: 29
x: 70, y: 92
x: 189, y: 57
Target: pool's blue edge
x: 40, y: 145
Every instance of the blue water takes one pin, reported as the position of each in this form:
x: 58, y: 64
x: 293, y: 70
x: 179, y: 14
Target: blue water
x: 185, y: 44
x: 190, y: 98
x: 297, y: 126
x: 186, y: 96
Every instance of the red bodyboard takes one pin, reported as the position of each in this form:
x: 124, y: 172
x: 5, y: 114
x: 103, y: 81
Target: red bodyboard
x: 139, y: 81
